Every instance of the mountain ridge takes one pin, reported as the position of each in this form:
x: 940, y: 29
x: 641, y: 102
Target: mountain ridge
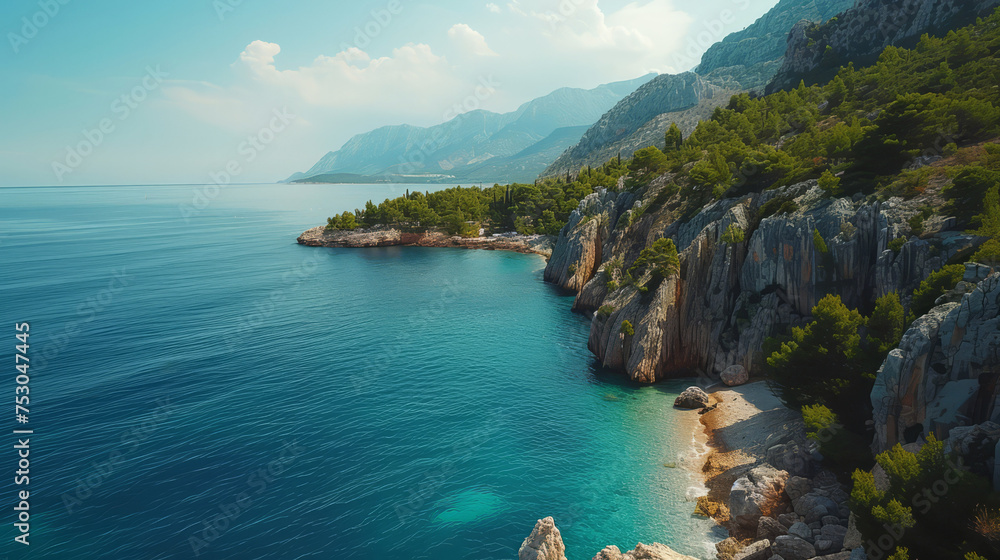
x: 465, y: 143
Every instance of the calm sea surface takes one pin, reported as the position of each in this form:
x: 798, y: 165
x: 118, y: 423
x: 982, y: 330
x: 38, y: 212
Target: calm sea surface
x: 203, y: 387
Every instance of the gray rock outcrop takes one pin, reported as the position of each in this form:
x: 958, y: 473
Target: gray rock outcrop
x: 735, y: 375
x: 766, y: 38
x: 791, y: 547
x: 579, y: 251
x: 759, y: 493
x: 943, y: 374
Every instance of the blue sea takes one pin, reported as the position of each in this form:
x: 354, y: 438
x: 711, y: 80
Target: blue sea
x: 203, y: 387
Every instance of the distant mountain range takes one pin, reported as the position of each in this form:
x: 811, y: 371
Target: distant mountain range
x: 475, y: 146
x: 572, y: 128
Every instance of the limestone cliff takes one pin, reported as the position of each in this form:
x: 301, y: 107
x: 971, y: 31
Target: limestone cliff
x: 944, y: 373
x: 764, y: 40
x: 815, y: 52
x: 728, y: 297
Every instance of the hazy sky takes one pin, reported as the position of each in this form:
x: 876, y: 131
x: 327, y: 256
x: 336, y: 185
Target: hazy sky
x: 126, y: 92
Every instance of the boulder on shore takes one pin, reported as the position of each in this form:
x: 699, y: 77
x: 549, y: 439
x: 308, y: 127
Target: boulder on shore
x: 757, y: 494
x: 791, y: 547
x: 692, y: 397
x: 735, y: 375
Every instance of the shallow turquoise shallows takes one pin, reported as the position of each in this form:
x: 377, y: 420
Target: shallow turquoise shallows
x: 204, y: 387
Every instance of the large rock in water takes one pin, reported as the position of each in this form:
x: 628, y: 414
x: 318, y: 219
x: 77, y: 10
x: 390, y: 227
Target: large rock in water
x: 544, y: 543
x: 944, y: 372
x: 692, y: 397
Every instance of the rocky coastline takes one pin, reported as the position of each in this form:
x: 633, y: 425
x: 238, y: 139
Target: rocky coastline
x: 764, y: 483
x: 528, y: 244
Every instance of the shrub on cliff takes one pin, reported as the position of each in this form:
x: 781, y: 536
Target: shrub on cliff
x: 937, y: 284
x: 829, y: 183
x: 885, y: 327
x: 840, y: 447
x: 820, y: 364
x: 627, y: 329
x: 661, y: 260
x: 967, y: 191
x: 734, y: 234
x: 929, y: 504
x: 674, y: 139
x: 830, y: 362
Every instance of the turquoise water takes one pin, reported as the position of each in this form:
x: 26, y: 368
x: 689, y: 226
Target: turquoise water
x: 203, y: 387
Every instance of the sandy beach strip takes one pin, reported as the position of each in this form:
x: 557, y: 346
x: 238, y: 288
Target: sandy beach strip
x: 745, y: 422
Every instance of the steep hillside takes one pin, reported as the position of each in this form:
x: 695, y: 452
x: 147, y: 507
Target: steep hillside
x: 526, y: 165
x: 742, y: 61
x: 765, y: 39
x: 816, y: 51
x: 460, y: 146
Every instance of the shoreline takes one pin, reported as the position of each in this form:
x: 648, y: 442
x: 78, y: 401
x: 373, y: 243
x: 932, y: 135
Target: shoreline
x: 743, y: 423
x: 321, y: 237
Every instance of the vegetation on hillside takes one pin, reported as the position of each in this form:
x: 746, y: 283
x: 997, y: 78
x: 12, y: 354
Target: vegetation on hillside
x: 832, y: 361
x: 541, y: 208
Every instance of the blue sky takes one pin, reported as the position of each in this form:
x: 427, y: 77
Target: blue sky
x: 115, y: 92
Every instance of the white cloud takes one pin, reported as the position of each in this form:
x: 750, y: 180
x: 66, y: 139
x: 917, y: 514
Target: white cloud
x: 412, y: 75
x: 469, y: 40
x: 637, y: 38
x: 493, y: 8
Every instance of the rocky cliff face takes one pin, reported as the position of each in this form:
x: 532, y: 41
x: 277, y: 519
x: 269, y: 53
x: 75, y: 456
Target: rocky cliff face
x: 815, y: 52
x: 728, y: 297
x: 943, y: 376
x: 665, y: 93
x: 765, y: 39
x: 579, y: 251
